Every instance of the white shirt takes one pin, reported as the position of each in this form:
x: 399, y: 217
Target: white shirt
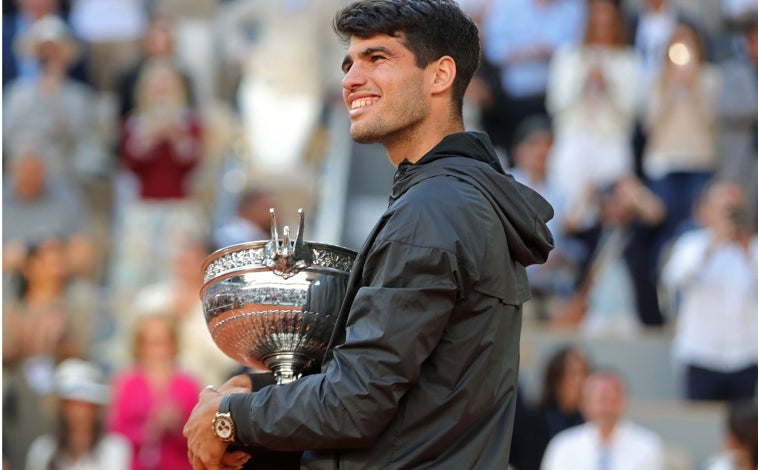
x: 113, y: 452
x: 632, y: 447
x: 718, y: 312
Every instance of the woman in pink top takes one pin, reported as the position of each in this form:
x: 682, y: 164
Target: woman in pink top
x: 153, y: 399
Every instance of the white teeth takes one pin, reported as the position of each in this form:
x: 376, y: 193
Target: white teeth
x: 361, y: 103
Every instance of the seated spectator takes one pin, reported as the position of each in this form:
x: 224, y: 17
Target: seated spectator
x: 53, y: 108
x: 252, y: 221
x: 157, y: 44
x: 18, y: 17
x: 79, y: 441
x: 607, y: 441
x: 738, y: 115
x: 617, y: 292
x: 519, y: 38
x: 37, y: 204
x: 713, y: 271
x: 559, y: 406
x: 178, y: 296
x: 111, y: 30
x: 740, y: 451
x: 591, y: 96
x: 680, y: 123
x: 161, y: 146
x: 533, y: 141
x: 153, y: 398
x: 47, y: 321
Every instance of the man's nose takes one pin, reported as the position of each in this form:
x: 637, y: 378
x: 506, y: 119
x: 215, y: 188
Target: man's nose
x: 353, y: 78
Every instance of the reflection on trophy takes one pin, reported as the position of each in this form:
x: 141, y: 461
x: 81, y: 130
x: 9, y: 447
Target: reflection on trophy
x: 274, y: 303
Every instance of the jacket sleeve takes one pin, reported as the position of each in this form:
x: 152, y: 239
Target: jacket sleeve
x: 394, y: 324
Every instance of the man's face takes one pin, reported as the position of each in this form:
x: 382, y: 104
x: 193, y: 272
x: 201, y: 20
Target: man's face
x: 384, y: 90
x: 603, y: 399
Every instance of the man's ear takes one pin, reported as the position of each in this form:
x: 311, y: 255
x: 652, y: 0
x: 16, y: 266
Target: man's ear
x: 444, y: 74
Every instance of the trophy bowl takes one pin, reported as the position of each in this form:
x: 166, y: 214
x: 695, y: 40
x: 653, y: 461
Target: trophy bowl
x: 274, y: 303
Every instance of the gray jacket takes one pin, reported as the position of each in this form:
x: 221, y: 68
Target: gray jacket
x: 422, y: 368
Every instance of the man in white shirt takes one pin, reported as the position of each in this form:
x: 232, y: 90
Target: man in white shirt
x: 714, y: 272
x: 606, y: 441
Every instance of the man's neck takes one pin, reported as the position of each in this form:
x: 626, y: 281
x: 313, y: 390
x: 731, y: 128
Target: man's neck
x: 414, y: 147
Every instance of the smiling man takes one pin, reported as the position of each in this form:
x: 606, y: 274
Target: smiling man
x: 422, y: 366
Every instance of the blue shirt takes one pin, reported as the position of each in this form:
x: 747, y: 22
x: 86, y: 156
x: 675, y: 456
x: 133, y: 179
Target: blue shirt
x: 512, y: 25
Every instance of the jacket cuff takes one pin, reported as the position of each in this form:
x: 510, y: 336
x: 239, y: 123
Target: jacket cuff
x: 240, y: 406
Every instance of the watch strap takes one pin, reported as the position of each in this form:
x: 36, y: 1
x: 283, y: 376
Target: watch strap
x: 225, y: 404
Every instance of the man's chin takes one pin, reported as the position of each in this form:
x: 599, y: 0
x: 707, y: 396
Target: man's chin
x: 362, y: 136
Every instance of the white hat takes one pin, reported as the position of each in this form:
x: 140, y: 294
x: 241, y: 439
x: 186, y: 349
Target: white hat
x: 76, y: 379
x: 49, y: 28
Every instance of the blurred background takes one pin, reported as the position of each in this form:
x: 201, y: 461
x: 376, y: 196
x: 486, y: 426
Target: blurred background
x: 141, y: 135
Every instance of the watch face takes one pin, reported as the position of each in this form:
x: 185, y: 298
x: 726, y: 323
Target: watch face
x: 223, y: 427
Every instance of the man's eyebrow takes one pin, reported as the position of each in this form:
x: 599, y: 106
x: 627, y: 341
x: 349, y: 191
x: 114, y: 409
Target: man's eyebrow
x: 365, y: 53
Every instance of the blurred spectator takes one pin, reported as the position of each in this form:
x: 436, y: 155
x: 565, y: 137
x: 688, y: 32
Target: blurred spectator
x: 607, y: 441
x: 559, y: 405
x: 591, y: 97
x: 617, y: 290
x: 51, y: 107
x: 153, y: 398
x: 680, y: 153
x: 179, y: 297
x: 157, y: 44
x: 713, y: 271
x: 533, y: 141
x: 740, y: 451
x: 252, y: 221
x: 519, y: 38
x: 49, y: 320
x: 738, y: 116
x: 111, y: 29
x: 161, y: 147
x: 17, y: 18
x: 280, y: 101
x: 652, y: 24
x: 196, y: 46
x: 38, y: 204
x: 79, y: 441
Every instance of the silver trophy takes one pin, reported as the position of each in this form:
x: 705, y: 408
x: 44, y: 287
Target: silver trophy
x: 274, y: 303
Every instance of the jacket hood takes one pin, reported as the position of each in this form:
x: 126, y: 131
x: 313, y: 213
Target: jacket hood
x: 471, y: 157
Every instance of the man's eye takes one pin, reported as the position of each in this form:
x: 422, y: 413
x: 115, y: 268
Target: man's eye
x: 377, y: 58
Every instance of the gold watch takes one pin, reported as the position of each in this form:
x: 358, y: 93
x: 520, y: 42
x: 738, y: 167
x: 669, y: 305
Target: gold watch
x: 223, y: 424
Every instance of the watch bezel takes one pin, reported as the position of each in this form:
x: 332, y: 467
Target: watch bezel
x: 227, y: 426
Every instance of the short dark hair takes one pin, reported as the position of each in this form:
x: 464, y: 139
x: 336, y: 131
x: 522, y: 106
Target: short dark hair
x: 430, y: 29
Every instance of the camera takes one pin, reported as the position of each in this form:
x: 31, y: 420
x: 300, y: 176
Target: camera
x: 738, y: 216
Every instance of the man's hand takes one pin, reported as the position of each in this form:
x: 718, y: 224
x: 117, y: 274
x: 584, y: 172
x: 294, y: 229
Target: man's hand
x: 237, y: 384
x: 206, y: 451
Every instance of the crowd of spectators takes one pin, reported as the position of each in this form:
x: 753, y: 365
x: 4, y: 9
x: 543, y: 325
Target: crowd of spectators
x: 140, y: 135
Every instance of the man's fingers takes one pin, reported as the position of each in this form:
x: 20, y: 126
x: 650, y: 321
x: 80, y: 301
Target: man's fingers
x: 235, y: 458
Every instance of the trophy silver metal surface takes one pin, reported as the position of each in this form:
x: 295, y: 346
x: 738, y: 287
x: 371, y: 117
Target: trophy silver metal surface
x: 275, y: 302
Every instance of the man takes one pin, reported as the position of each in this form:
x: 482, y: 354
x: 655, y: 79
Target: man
x: 606, y: 441
x: 713, y: 270
x: 422, y: 366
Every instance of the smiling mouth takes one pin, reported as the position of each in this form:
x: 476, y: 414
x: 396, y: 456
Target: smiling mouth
x: 363, y: 102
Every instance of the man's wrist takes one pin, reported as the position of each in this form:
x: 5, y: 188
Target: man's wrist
x: 223, y: 424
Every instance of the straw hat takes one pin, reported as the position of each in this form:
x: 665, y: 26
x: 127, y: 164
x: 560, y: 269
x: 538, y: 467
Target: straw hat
x: 76, y: 379
x: 48, y: 29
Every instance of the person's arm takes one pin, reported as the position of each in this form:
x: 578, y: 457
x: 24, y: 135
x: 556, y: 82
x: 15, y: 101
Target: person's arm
x: 687, y: 258
x: 394, y: 324
x: 565, y: 80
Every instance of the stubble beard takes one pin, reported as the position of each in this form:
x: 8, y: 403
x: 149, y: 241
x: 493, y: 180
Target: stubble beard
x: 399, y: 127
